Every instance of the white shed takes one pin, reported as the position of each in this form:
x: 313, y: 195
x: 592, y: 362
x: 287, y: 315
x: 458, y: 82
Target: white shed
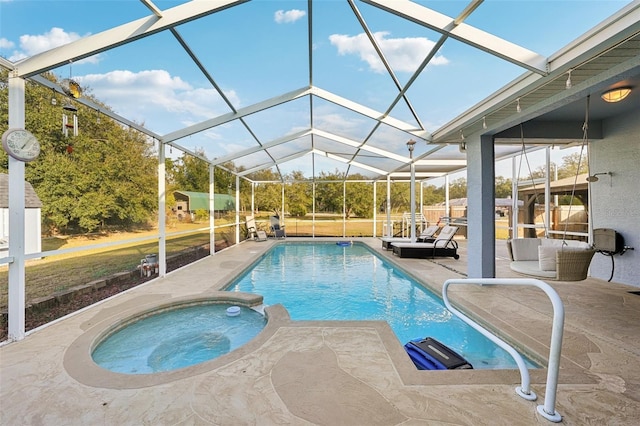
x: 33, y: 216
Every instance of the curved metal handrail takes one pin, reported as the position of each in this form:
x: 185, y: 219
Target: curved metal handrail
x: 548, y: 409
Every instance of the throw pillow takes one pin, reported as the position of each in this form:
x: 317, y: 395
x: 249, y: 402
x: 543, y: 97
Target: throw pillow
x: 547, y: 258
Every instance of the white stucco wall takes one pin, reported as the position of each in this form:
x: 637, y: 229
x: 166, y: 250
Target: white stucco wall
x: 615, y: 202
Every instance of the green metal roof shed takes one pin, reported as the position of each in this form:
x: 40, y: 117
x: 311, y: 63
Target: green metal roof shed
x: 200, y: 200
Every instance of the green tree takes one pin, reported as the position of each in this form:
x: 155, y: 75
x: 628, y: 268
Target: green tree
x: 503, y: 187
x: 191, y: 173
x: 329, y: 192
x: 268, y: 194
x: 572, y: 165
x: 359, y: 200
x: 103, y: 177
x: 432, y: 195
x: 298, y: 195
x: 458, y: 188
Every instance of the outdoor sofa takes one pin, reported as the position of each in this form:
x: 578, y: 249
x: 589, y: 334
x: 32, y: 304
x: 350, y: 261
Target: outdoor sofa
x: 555, y: 259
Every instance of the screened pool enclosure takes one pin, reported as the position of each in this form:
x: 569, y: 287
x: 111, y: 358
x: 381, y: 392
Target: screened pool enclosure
x: 377, y: 93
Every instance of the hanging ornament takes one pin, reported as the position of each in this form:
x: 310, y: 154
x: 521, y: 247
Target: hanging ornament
x: 71, y: 88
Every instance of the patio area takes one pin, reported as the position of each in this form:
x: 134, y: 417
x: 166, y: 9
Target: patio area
x: 336, y: 373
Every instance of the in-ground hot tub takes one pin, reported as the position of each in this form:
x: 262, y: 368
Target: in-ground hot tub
x: 177, y: 337
x: 162, y: 358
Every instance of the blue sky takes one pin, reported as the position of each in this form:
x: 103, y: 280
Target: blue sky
x: 258, y: 50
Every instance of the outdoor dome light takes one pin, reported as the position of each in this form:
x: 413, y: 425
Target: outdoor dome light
x: 410, y: 144
x: 616, y: 95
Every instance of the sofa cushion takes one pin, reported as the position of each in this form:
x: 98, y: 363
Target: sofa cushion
x: 525, y: 248
x: 574, y: 244
x: 547, y: 257
x: 531, y: 267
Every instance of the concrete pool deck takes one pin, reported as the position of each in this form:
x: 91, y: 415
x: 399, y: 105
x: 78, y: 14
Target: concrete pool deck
x: 336, y: 373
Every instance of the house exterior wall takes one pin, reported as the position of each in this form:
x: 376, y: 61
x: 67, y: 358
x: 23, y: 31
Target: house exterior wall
x: 32, y: 231
x: 615, y: 202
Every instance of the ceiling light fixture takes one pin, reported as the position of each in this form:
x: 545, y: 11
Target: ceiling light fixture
x: 518, y: 109
x: 616, y: 95
x: 569, y: 84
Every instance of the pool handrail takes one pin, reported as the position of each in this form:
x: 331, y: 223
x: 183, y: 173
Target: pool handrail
x: 548, y: 409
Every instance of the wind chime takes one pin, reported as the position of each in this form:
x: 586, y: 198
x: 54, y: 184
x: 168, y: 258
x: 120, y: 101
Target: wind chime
x: 70, y: 122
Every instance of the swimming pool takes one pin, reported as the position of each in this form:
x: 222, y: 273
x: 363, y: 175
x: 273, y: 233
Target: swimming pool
x: 325, y: 281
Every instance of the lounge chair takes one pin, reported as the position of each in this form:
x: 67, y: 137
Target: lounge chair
x: 428, y: 235
x: 252, y: 230
x: 277, y: 231
x: 425, y: 236
x: 443, y: 246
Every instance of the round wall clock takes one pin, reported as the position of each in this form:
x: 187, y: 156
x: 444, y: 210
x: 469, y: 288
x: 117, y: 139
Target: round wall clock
x: 21, y: 144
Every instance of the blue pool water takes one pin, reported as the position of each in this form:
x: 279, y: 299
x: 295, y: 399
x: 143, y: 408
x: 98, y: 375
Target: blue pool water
x: 177, y: 338
x: 325, y: 281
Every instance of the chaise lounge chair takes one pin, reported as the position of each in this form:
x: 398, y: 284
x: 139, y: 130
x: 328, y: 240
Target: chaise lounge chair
x: 277, y: 231
x: 252, y: 230
x: 425, y: 236
x: 443, y: 246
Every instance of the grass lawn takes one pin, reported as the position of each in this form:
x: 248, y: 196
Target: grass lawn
x: 55, y: 273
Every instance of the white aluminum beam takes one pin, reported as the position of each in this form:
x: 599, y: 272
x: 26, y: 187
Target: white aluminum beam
x: 4, y: 63
x: 348, y: 161
x: 274, y: 164
x: 254, y: 149
x: 448, y: 162
x: 418, y: 175
x: 366, y: 167
x: 120, y: 35
x: 356, y: 144
x: 152, y: 7
x: 242, y: 112
x: 371, y: 113
x: 464, y: 33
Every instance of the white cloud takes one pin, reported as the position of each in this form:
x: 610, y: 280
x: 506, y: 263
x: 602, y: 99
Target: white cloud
x: 404, y: 54
x: 6, y: 44
x: 286, y: 17
x: 156, y: 98
x: 33, y: 44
